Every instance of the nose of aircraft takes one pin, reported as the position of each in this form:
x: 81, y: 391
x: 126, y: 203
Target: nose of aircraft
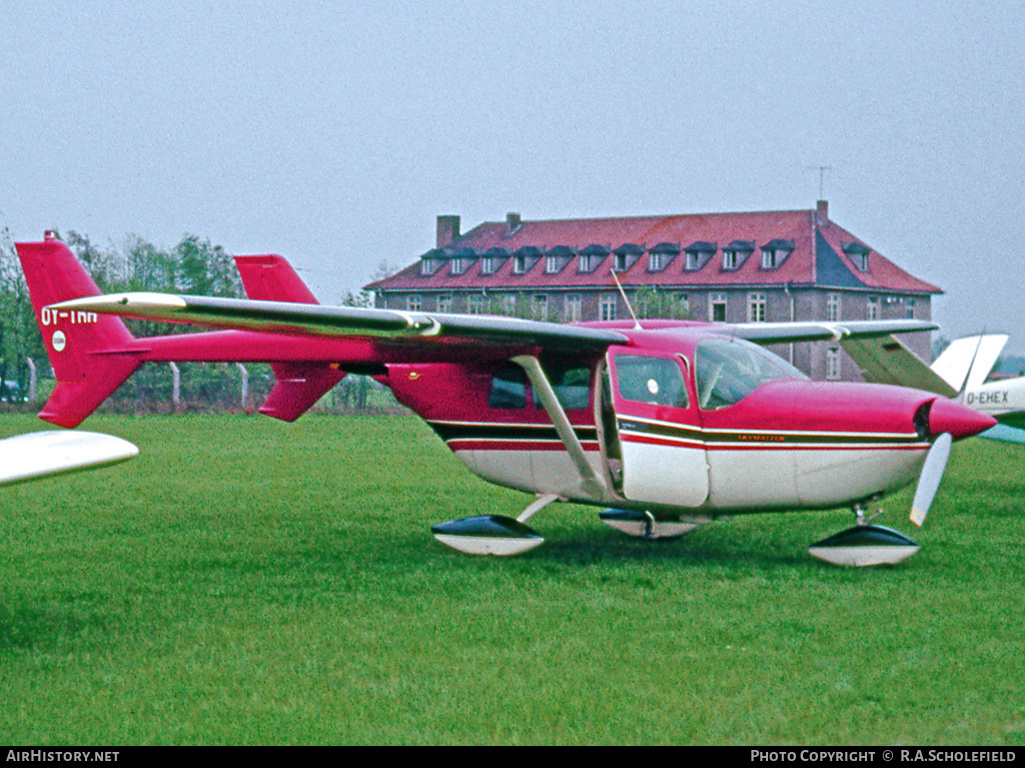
x: 957, y: 419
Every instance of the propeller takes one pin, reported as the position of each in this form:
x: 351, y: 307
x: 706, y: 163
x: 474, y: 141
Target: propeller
x: 929, y: 480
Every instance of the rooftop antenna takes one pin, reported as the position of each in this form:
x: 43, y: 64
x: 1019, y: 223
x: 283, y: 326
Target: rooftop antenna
x: 637, y: 323
x: 822, y: 169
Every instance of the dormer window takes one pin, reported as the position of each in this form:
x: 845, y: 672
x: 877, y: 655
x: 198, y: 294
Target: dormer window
x: 858, y: 254
x: 525, y: 258
x: 430, y: 261
x: 590, y: 257
x: 775, y: 253
x: 458, y: 266
x: 735, y: 254
x: 661, y: 256
x: 519, y: 264
x: 492, y: 259
x: 697, y: 255
x: 557, y: 258
x: 625, y: 256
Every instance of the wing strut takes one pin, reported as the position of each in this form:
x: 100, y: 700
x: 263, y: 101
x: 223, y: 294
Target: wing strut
x: 590, y: 482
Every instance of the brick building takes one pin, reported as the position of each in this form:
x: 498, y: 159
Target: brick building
x: 721, y: 267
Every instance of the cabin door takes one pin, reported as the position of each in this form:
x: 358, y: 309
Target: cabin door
x: 661, y: 454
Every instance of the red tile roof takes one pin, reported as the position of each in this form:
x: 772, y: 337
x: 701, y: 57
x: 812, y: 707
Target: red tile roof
x: 818, y: 257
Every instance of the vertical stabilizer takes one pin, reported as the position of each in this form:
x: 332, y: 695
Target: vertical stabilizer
x: 90, y: 353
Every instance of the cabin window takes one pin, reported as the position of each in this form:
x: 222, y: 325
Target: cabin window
x: 651, y: 380
x: 508, y: 388
x: 572, y: 385
x: 728, y: 370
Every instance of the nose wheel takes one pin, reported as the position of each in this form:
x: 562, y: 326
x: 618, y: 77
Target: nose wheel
x: 865, y: 544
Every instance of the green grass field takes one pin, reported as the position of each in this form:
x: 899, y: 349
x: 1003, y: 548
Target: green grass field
x: 250, y: 582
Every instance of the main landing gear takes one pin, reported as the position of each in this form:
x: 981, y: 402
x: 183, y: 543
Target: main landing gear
x: 864, y: 544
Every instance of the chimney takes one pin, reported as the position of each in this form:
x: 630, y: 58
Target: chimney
x: 822, y: 211
x: 512, y: 223
x: 448, y: 230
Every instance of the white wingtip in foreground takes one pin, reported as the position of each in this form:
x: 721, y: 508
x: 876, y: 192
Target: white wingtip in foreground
x: 41, y: 454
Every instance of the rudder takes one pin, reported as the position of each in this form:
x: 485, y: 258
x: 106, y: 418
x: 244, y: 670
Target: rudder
x: 91, y: 354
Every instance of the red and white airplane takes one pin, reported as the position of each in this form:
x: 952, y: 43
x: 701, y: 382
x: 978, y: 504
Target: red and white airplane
x: 670, y: 424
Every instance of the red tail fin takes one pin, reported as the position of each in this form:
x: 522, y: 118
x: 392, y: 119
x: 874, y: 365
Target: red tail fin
x: 298, y: 386
x: 271, y: 278
x: 90, y: 353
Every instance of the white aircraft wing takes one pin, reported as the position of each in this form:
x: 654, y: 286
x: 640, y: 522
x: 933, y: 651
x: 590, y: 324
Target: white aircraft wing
x: 970, y: 358
x: 39, y: 454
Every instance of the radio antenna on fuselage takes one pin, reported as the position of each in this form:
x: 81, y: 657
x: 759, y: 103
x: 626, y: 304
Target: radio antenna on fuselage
x: 637, y: 323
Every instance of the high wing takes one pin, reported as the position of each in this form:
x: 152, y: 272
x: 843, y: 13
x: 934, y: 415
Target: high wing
x: 302, y: 318
x: 318, y: 320
x: 882, y: 357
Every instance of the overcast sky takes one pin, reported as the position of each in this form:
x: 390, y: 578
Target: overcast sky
x: 335, y: 133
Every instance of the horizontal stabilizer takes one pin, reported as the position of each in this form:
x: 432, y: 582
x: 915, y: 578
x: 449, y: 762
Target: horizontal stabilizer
x: 298, y: 388
x: 72, y: 401
x: 40, y: 454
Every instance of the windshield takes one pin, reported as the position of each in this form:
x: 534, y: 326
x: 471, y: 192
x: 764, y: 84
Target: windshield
x: 728, y: 370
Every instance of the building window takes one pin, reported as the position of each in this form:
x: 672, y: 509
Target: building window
x: 541, y: 306
x: 586, y: 264
x: 692, y: 261
x: 717, y: 308
x: 756, y: 307
x: 551, y: 264
x: 574, y: 308
x: 872, y: 313
x: 619, y: 264
x: 607, y: 307
x: 519, y: 265
x: 458, y: 266
x: 729, y: 259
x: 509, y: 304
x: 444, y: 303
x: 909, y: 309
x: 773, y: 257
x: 475, y: 304
x: 833, y: 308
x: 413, y: 303
x: 832, y: 364
x: 654, y: 262
x: 487, y: 265
x: 685, y: 305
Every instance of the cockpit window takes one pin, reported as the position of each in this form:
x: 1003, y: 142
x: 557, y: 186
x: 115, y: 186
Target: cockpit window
x: 728, y: 370
x: 652, y: 380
